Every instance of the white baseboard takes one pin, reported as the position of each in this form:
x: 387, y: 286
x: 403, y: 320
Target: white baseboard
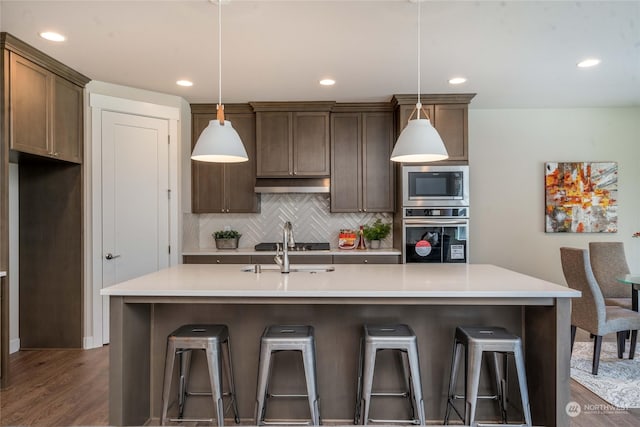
x: 14, y: 345
x: 87, y: 343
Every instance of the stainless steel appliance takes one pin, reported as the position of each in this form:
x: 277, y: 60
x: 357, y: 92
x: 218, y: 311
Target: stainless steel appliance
x: 435, y: 235
x: 435, y: 185
x: 318, y: 246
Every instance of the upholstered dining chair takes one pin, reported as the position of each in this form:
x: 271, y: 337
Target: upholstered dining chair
x: 608, y: 262
x: 589, y: 312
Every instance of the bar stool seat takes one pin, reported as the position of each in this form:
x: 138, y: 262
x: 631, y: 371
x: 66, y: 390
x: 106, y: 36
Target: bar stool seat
x: 476, y: 341
x: 210, y: 339
x: 400, y: 338
x: 278, y: 338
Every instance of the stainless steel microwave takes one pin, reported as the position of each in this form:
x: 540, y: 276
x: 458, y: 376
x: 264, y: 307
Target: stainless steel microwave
x: 435, y: 185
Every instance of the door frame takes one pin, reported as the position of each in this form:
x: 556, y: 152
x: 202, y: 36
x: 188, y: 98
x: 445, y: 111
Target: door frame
x: 93, y: 317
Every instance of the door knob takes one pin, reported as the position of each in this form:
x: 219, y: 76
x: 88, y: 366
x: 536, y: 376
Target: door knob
x: 111, y: 256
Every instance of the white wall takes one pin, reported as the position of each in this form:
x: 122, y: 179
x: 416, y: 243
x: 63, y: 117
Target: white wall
x: 507, y: 152
x: 14, y: 259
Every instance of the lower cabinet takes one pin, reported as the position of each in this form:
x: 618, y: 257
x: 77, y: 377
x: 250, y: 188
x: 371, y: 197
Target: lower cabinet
x: 216, y: 259
x: 366, y: 259
x: 293, y: 259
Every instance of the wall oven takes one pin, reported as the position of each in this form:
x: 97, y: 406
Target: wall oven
x: 435, y: 235
x: 435, y: 185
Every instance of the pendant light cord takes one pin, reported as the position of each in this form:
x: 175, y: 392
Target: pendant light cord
x: 419, y: 104
x: 220, y: 52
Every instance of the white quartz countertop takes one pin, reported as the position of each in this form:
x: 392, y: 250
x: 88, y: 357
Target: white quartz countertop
x: 347, y: 281
x: 251, y: 251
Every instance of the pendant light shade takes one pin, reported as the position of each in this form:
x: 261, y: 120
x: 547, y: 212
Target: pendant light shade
x: 419, y: 141
x: 219, y: 142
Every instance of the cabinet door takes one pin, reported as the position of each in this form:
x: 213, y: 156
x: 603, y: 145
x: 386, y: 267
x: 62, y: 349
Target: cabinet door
x: 274, y: 144
x: 216, y: 259
x: 67, y: 120
x: 366, y: 259
x: 451, y: 124
x: 240, y: 178
x: 207, y: 179
x: 346, y: 176
x: 311, y: 144
x: 30, y: 98
x: 378, y: 170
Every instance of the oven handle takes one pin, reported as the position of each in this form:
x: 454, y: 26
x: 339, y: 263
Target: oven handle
x: 435, y: 222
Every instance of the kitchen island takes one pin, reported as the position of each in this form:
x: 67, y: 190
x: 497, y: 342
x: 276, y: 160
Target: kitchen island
x: 432, y: 299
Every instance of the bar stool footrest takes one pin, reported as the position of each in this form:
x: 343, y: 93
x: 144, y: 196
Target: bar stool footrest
x: 404, y: 394
x: 191, y: 420
x: 415, y: 422
x: 286, y: 423
x: 287, y: 395
x: 491, y: 397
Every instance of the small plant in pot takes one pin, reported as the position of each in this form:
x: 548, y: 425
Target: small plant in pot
x: 227, y: 239
x: 376, y: 232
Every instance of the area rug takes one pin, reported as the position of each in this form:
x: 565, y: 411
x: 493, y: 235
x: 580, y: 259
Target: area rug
x: 618, y: 380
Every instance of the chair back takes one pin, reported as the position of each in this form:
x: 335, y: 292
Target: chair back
x: 587, y: 312
x: 608, y: 262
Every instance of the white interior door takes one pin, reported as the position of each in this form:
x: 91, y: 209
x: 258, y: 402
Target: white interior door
x: 135, y: 199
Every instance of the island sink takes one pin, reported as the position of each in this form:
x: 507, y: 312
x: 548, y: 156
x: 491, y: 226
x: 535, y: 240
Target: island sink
x: 294, y: 268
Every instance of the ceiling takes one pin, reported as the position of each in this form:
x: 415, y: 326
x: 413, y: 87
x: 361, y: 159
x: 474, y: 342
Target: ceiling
x: 515, y: 54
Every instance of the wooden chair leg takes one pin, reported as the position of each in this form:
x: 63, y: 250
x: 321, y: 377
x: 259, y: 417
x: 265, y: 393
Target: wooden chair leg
x: 622, y: 336
x: 634, y: 339
x: 597, y: 344
x: 573, y: 336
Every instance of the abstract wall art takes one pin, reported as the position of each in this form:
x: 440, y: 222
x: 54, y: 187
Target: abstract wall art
x: 581, y: 197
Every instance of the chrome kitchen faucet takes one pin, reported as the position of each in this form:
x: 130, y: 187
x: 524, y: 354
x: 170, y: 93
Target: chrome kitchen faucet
x: 287, y: 242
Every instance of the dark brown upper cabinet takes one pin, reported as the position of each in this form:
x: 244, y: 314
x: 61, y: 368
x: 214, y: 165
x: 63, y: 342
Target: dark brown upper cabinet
x: 448, y: 114
x: 292, y: 139
x: 218, y: 187
x: 46, y: 118
x: 362, y: 176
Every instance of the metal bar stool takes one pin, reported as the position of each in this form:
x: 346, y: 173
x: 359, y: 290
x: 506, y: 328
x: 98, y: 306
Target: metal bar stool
x: 209, y: 338
x: 399, y: 338
x: 476, y: 341
x: 287, y: 338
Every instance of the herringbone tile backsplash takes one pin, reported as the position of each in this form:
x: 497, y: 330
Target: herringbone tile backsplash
x: 309, y: 214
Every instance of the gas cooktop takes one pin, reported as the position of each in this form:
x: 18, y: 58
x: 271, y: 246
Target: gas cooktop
x: 322, y: 246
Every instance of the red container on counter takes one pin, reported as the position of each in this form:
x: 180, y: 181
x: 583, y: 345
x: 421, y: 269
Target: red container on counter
x: 347, y: 239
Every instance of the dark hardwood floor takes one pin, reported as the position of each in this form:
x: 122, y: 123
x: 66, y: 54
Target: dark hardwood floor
x: 70, y: 388
x: 57, y: 388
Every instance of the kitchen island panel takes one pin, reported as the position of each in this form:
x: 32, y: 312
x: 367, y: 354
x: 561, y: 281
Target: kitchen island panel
x: 337, y: 329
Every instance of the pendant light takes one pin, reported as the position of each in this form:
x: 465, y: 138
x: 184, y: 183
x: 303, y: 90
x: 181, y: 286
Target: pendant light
x: 419, y: 141
x: 219, y: 142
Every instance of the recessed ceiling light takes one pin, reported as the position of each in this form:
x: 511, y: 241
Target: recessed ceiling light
x: 51, y: 36
x: 457, y: 80
x: 185, y: 83
x: 327, y: 82
x: 589, y: 62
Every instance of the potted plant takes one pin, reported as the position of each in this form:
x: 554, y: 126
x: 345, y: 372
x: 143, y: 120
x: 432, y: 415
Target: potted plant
x: 227, y: 239
x: 375, y: 232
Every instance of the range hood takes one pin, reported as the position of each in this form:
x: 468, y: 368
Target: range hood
x: 292, y: 185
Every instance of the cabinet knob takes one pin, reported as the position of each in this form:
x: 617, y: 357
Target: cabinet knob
x: 364, y: 210
x: 290, y: 173
x: 217, y: 261
x: 366, y: 261
x: 222, y: 210
x: 227, y: 210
